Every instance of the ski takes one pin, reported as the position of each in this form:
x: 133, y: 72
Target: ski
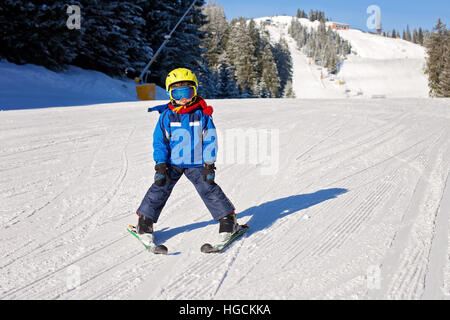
x: 156, y: 249
x: 208, y: 248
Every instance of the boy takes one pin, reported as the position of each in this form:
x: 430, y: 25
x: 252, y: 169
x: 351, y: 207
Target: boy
x: 184, y: 142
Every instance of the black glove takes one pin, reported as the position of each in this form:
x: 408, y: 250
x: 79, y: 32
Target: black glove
x: 209, y: 172
x: 161, y: 174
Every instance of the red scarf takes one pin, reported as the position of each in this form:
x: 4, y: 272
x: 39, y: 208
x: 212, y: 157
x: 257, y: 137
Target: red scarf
x: 198, y: 103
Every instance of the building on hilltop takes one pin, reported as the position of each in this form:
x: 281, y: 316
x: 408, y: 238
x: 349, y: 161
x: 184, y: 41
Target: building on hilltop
x: 337, y: 25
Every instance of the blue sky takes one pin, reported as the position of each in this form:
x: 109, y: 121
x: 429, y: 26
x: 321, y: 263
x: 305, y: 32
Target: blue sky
x: 394, y: 13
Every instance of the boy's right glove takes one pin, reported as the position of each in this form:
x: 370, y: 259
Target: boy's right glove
x: 161, y: 174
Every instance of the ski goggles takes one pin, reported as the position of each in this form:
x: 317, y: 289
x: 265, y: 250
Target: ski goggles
x: 179, y: 93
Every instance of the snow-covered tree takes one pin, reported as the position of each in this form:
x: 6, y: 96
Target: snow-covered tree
x: 301, y: 14
x: 216, y: 30
x: 242, y: 54
x: 420, y: 37
x: 408, y: 36
x: 331, y: 63
x: 437, y: 61
x: 207, y: 80
x: 284, y: 64
x: 270, y: 73
x: 288, y: 90
x: 394, y: 33
x: 112, y: 39
x: 34, y: 32
x: 324, y: 46
x: 226, y: 84
x: 414, y: 36
x: 444, y: 77
x: 317, y: 15
x: 120, y: 37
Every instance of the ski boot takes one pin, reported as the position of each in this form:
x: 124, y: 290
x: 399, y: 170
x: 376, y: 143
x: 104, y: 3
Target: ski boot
x: 229, y: 231
x: 145, y: 229
x: 227, y: 227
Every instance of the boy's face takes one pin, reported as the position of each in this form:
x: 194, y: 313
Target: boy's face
x: 183, y: 101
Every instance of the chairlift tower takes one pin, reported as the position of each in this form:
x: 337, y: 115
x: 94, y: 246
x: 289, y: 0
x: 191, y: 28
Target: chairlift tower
x: 379, y: 29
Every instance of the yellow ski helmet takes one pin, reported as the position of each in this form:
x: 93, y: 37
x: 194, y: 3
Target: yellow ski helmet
x: 179, y: 75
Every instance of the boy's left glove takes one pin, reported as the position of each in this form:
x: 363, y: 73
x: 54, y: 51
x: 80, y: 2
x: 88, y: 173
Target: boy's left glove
x: 161, y: 174
x: 209, y: 173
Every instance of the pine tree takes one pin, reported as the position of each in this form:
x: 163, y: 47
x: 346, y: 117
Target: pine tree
x: 420, y: 37
x: 394, y: 33
x: 113, y: 39
x: 346, y: 48
x: 331, y: 63
x: 436, y: 48
x: 241, y: 51
x: 207, y: 80
x: 444, y: 76
x: 288, y: 90
x: 110, y: 38
x: 322, y: 17
x: 426, y: 37
x: 33, y: 32
x: 217, y: 31
x: 270, y: 72
x: 284, y: 64
x: 323, y: 45
x: 259, y: 42
x: 301, y: 14
x: 312, y: 16
x: 408, y: 36
x: 414, y: 36
x: 226, y: 83
x: 294, y: 29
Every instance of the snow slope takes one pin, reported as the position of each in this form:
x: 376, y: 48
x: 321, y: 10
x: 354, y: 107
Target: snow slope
x: 358, y: 208
x: 31, y: 86
x: 378, y: 66
x: 384, y: 66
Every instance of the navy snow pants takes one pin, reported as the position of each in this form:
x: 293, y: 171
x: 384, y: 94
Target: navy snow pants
x: 212, y: 195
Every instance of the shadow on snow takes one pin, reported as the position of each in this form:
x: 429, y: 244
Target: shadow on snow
x: 263, y: 215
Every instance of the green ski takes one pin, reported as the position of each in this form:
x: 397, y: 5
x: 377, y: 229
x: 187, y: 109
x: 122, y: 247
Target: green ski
x: 208, y: 248
x: 157, y: 249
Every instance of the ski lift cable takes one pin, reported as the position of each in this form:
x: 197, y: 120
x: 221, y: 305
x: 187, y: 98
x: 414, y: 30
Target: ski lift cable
x: 167, y: 38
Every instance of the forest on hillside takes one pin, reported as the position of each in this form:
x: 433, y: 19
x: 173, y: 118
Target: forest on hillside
x: 232, y: 59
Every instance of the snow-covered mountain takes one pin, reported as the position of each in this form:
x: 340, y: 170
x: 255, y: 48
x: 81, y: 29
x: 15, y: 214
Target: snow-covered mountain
x: 378, y: 67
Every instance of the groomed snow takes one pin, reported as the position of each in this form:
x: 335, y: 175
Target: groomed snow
x: 358, y: 207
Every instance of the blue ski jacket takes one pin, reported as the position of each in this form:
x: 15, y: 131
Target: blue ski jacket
x: 184, y: 139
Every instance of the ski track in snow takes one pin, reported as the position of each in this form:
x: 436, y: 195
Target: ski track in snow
x: 361, y: 184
